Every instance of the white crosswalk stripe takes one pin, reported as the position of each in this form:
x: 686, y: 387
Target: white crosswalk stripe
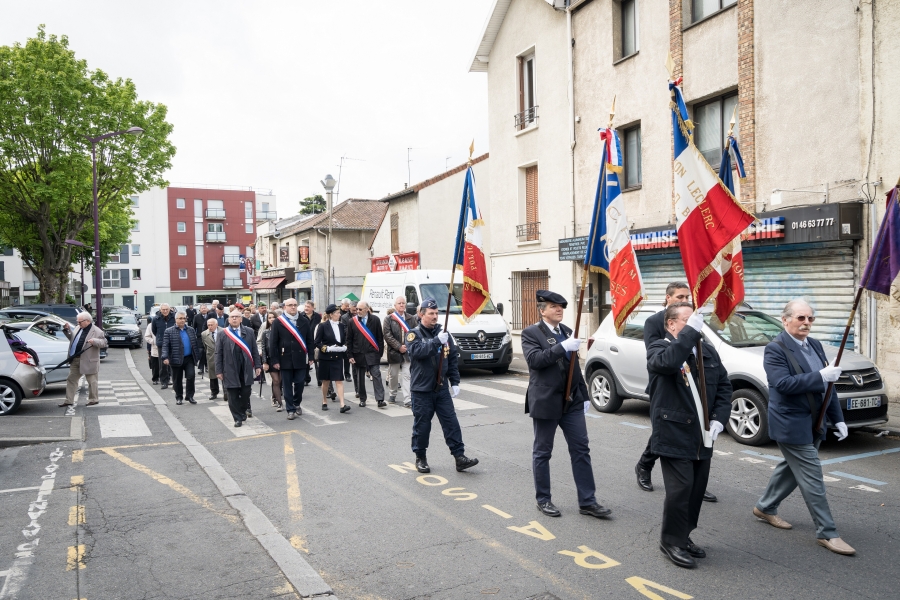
x: 252, y: 426
x: 123, y: 426
x: 493, y: 393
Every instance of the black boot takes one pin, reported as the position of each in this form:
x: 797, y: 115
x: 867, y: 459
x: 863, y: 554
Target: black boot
x: 422, y: 464
x: 463, y: 463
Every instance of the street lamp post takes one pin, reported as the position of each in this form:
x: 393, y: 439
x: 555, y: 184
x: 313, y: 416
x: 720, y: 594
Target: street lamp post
x: 77, y: 243
x: 328, y: 183
x: 98, y: 275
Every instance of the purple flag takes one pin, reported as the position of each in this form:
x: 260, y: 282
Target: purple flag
x: 884, y: 262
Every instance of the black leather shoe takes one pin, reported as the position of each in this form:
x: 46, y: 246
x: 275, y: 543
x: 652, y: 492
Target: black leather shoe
x: 165, y: 385
x: 678, y: 556
x: 463, y: 463
x: 595, y: 510
x: 238, y: 423
x: 362, y: 403
x: 643, y: 478
x: 422, y: 465
x: 155, y: 382
x: 249, y: 414
x: 192, y: 401
x: 707, y: 497
x: 548, y: 509
x: 324, y: 407
x: 213, y: 396
x: 695, y: 550
x: 345, y: 408
x: 177, y: 400
x: 382, y: 404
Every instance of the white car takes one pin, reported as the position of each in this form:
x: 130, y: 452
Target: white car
x: 616, y: 369
x: 46, y: 337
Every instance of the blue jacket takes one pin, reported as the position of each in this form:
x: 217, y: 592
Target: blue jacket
x: 424, y: 348
x: 790, y: 420
x: 548, y: 370
x: 172, y: 347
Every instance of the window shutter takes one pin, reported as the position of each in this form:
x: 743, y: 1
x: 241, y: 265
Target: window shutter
x: 123, y: 254
x: 123, y: 278
x: 531, y: 201
x: 395, y: 233
x: 2, y: 271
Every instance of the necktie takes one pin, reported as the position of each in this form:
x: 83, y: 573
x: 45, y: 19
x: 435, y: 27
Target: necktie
x: 556, y: 330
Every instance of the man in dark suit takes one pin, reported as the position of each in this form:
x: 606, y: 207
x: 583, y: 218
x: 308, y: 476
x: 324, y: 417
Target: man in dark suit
x: 679, y: 434
x: 190, y: 312
x: 548, y: 347
x: 314, y: 318
x: 259, y: 317
x: 199, y: 325
x: 798, y: 374
x: 348, y: 310
x: 291, y: 352
x: 655, y: 329
x: 365, y: 341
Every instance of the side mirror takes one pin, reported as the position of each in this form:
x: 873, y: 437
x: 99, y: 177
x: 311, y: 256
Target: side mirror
x: 500, y: 308
x: 411, y: 307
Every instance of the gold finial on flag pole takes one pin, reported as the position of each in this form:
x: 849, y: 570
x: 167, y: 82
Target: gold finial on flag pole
x: 612, y: 112
x: 471, y: 152
x: 733, y: 118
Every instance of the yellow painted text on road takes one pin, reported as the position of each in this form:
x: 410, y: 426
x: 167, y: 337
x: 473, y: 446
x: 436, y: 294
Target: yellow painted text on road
x: 581, y: 558
x: 641, y: 585
x: 459, y: 494
x: 535, y: 530
x: 432, y: 480
x: 496, y: 511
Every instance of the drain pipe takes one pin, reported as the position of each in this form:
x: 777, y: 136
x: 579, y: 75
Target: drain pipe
x: 570, y: 41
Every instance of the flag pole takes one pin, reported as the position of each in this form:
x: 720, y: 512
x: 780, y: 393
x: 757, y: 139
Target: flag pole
x: 573, y: 357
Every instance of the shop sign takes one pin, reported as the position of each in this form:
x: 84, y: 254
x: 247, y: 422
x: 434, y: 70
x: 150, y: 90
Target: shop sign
x: 408, y: 261
x: 573, y: 248
x: 243, y: 263
x: 303, y: 276
x: 284, y: 254
x: 304, y: 255
x: 254, y: 279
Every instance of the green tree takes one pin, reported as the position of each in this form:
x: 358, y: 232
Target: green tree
x: 50, y: 102
x: 312, y: 205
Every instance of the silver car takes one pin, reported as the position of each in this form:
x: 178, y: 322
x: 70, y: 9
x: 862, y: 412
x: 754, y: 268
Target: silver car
x: 20, y: 375
x: 616, y: 369
x: 45, y: 336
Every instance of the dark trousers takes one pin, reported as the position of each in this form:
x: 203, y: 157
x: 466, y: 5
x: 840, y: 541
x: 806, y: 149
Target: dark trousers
x: 292, y: 383
x: 425, y: 406
x: 185, y: 369
x: 238, y: 402
x: 359, y: 379
x: 685, y: 482
x: 154, y: 368
x: 346, y: 366
x: 165, y: 372
x: 575, y: 431
x: 214, y: 386
x: 648, y: 458
x: 201, y: 364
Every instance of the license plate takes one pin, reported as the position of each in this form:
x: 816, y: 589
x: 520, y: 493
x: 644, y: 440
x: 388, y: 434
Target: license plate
x: 118, y: 338
x: 871, y: 402
x: 486, y: 356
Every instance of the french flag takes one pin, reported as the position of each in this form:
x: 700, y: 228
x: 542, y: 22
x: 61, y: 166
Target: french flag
x: 470, y: 252
x: 709, y: 219
x: 731, y: 294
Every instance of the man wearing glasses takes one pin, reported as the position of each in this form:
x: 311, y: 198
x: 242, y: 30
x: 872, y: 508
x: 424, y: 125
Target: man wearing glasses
x: 798, y: 375
x: 291, y: 352
x: 84, y: 352
x: 237, y: 364
x: 365, y: 341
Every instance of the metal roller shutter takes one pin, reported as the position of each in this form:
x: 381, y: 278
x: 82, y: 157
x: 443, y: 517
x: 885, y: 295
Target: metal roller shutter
x: 823, y: 274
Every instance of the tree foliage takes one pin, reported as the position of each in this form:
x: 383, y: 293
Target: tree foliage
x: 50, y: 103
x: 312, y: 205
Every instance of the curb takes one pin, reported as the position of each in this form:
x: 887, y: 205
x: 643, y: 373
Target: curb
x: 76, y: 434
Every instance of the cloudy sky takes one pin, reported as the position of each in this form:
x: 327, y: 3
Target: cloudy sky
x: 272, y: 94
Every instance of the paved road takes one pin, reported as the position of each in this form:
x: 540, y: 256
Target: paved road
x: 166, y: 501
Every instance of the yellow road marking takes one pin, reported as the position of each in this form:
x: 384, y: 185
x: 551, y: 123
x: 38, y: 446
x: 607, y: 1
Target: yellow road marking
x: 77, y: 456
x: 581, y: 558
x: 641, y: 585
x: 459, y: 495
x: 76, y: 515
x: 169, y: 483
x: 252, y: 437
x: 431, y: 480
x: 496, y: 511
x: 128, y: 446
x: 76, y: 480
x: 535, y: 530
x: 75, y: 557
x: 295, y: 504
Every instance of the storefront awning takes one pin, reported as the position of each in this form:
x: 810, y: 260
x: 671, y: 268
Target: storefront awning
x: 269, y: 284
x: 299, y: 285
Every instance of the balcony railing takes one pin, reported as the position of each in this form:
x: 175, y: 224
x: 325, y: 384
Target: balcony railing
x: 231, y: 259
x: 215, y: 213
x: 215, y: 236
x: 528, y: 232
x: 230, y: 282
x: 266, y: 215
x: 31, y: 286
x: 526, y: 118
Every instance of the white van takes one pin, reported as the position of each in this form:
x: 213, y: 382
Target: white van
x: 485, y: 343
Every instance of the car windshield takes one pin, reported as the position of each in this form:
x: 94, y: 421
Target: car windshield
x: 42, y: 334
x: 118, y: 319
x: 747, y: 329
x: 438, y: 291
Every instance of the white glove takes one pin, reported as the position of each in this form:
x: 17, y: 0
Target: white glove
x: 830, y: 374
x: 571, y: 344
x: 336, y: 349
x: 715, y: 428
x: 587, y: 406
x: 443, y: 336
x: 841, y: 431
x: 695, y: 322
x: 454, y: 392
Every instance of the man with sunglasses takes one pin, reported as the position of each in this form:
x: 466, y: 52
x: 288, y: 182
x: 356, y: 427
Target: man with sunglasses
x: 798, y: 374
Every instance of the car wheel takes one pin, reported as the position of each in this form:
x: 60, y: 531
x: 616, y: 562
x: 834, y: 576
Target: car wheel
x: 603, y: 392
x: 10, y: 398
x: 748, y: 423
x: 500, y: 370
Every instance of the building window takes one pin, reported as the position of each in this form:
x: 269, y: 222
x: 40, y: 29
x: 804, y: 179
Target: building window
x: 700, y: 9
x: 135, y: 249
x: 248, y: 227
x: 199, y: 254
x: 629, y: 24
x: 215, y: 227
x: 198, y: 232
x: 632, y: 156
x: 182, y: 273
x: 182, y: 250
x: 395, y: 233
x: 201, y: 278
x: 527, y: 106
x: 524, y: 306
x: 136, y: 201
x: 111, y: 278
x: 114, y: 258
x: 248, y: 210
x: 711, y: 121
x: 265, y: 207
x: 135, y: 225
x: 135, y: 273
x: 181, y: 227
x: 198, y: 208
x: 179, y: 203
x: 530, y: 230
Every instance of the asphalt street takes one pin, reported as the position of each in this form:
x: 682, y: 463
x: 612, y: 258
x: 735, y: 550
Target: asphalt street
x: 165, y: 501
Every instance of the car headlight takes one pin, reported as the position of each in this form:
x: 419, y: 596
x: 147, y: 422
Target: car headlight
x: 506, y: 339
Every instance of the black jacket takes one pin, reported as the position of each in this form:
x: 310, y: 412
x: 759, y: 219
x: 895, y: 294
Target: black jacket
x: 325, y: 338
x: 359, y: 347
x: 676, y: 424
x: 548, y: 370
x: 160, y: 324
x: 199, y: 322
x: 285, y: 350
x: 424, y: 349
x: 172, y: 348
x: 256, y: 321
x: 655, y: 328
x: 190, y: 313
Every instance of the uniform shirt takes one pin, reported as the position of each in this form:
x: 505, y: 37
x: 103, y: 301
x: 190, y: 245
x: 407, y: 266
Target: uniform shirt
x: 335, y: 326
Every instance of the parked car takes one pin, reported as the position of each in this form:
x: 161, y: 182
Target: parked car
x: 69, y: 312
x: 121, y: 330
x: 20, y: 374
x: 175, y: 310
x: 122, y: 309
x: 616, y: 369
x: 13, y: 314
x: 45, y: 336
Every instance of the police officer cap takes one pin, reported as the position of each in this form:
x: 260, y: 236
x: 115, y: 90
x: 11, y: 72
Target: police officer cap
x: 548, y: 296
x: 330, y: 309
x: 428, y: 303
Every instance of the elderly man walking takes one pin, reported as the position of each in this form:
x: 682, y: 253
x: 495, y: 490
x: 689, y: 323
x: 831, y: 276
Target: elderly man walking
x: 209, y: 338
x: 396, y: 327
x: 798, y: 374
x: 237, y: 364
x: 84, y: 350
x: 181, y: 352
x: 365, y: 342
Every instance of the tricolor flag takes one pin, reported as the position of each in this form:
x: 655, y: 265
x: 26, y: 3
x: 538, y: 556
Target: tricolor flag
x: 883, y: 265
x: 469, y: 255
x: 731, y: 294
x: 609, y: 249
x: 709, y: 218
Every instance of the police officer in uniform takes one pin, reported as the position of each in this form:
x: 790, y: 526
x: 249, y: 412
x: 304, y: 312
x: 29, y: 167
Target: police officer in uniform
x: 547, y: 346
x: 430, y: 351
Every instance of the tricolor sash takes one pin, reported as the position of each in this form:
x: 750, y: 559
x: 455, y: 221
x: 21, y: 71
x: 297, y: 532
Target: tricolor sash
x: 402, y: 323
x: 240, y: 341
x: 290, y: 327
x: 366, y: 333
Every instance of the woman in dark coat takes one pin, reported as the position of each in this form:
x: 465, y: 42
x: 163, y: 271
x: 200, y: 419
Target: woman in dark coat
x: 331, y: 341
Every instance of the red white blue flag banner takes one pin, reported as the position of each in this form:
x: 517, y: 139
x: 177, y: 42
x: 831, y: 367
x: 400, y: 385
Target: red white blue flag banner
x: 240, y: 342
x: 402, y: 323
x: 469, y: 254
x: 366, y: 333
x: 290, y: 327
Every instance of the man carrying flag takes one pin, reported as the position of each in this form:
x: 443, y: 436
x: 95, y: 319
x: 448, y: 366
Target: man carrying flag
x: 469, y: 255
x: 731, y: 294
